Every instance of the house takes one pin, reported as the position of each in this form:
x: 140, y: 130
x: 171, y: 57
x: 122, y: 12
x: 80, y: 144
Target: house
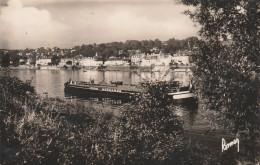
x: 155, y: 50
x: 89, y: 61
x: 28, y: 54
x: 66, y: 61
x: 156, y: 60
x: 182, y: 57
x: 136, y: 59
x: 29, y: 61
x: 165, y: 59
x: 115, y: 62
x: 43, y: 61
x: 133, y: 52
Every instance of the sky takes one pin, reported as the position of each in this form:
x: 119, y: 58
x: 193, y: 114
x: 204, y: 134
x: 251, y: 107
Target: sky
x: 49, y: 23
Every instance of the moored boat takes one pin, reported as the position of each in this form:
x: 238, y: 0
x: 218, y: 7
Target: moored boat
x: 114, y: 90
x: 184, y: 95
x: 118, y: 90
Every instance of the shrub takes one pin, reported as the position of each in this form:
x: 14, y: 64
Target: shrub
x: 14, y: 94
x: 51, y: 131
x: 148, y: 129
x: 61, y: 133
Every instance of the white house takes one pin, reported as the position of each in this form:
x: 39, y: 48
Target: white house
x: 63, y: 61
x: 156, y: 60
x: 43, y: 61
x: 89, y: 61
x: 115, y: 62
x: 165, y: 59
x: 29, y: 61
x: 136, y: 59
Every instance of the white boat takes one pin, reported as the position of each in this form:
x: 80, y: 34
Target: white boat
x: 182, y: 95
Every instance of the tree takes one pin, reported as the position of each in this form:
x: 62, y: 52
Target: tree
x: 16, y: 59
x: 226, y: 65
x: 172, y: 46
x: 158, y: 43
x: 55, y: 60
x: 88, y: 50
x: 5, y: 59
x: 148, y: 130
x: 132, y: 45
x: 34, y: 56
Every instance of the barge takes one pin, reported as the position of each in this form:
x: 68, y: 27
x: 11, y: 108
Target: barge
x: 118, y: 90
x: 114, y: 90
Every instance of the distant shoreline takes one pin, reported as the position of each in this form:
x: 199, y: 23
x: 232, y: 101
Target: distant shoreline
x: 108, y: 68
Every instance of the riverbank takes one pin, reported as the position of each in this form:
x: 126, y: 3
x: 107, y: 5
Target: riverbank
x: 33, y: 68
x: 106, y: 68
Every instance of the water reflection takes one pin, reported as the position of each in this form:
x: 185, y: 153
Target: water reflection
x: 52, y: 81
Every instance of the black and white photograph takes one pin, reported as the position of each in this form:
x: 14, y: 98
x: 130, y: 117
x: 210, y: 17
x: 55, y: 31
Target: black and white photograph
x: 129, y: 82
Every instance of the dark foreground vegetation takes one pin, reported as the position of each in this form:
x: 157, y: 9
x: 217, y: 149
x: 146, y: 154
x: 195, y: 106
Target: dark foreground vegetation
x: 38, y: 130
x: 226, y: 66
x: 41, y: 130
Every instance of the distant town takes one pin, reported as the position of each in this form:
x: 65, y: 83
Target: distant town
x: 131, y: 54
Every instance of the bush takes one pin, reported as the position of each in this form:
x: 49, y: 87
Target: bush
x: 50, y: 131
x: 14, y: 94
x: 148, y: 129
x: 64, y: 134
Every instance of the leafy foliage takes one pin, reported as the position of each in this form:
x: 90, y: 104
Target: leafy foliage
x: 105, y: 50
x: 14, y: 94
x: 149, y: 130
x: 5, y: 59
x: 64, y: 134
x: 226, y: 65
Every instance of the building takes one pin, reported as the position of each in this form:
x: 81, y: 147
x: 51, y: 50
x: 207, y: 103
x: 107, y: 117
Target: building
x: 66, y: 61
x: 182, y: 57
x: 43, y: 61
x: 165, y: 59
x: 115, y: 62
x: 156, y: 60
x: 136, y: 59
x: 89, y: 61
x: 131, y: 52
x: 29, y: 61
x: 155, y: 50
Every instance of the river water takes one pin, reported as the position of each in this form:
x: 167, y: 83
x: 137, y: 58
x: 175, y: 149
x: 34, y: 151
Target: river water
x: 52, y: 81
